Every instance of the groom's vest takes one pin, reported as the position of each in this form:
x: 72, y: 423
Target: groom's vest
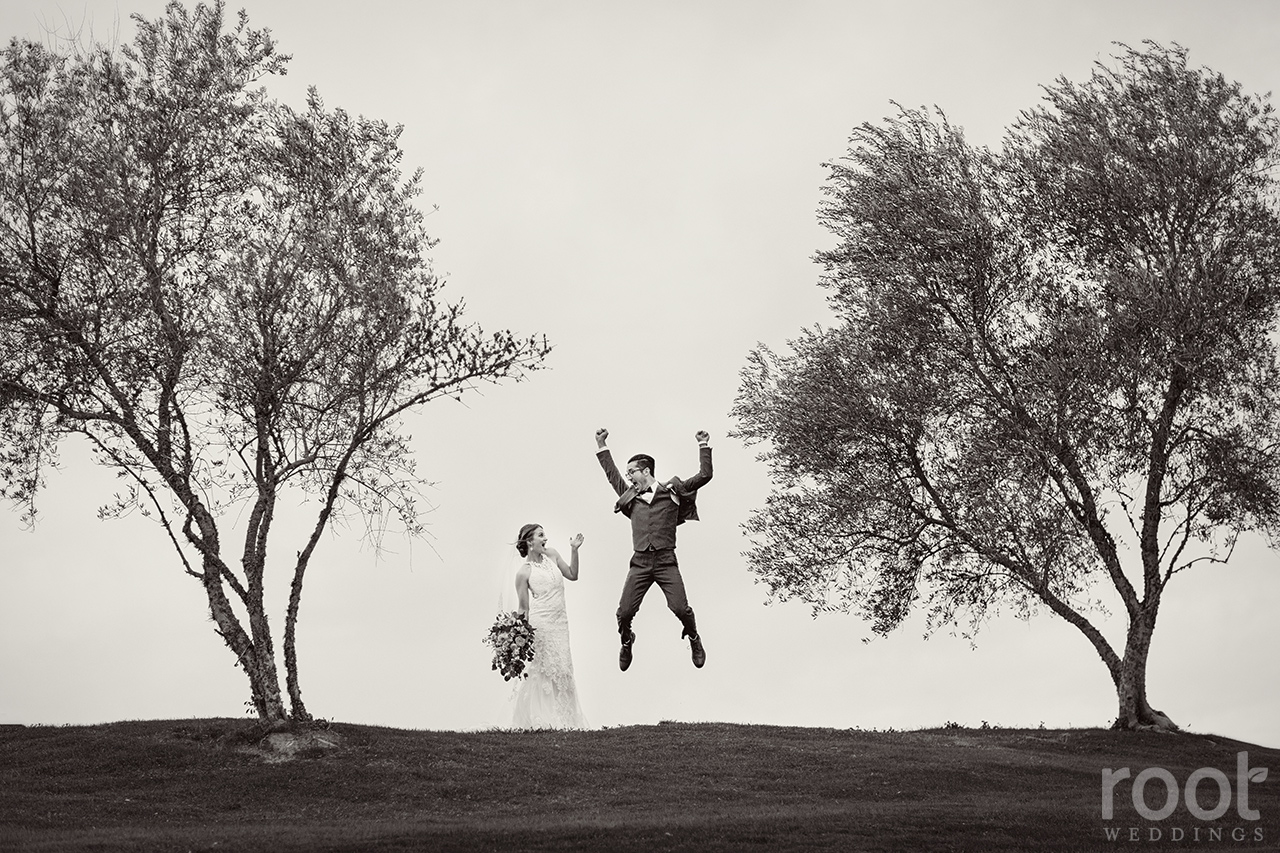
x: 653, y: 525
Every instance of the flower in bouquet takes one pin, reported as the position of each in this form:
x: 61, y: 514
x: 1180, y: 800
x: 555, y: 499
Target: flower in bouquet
x: 511, y: 638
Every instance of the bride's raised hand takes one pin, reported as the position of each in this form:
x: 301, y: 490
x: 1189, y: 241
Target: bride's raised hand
x: 576, y: 541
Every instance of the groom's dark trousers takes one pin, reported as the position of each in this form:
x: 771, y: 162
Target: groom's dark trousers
x: 653, y: 535
x: 647, y: 568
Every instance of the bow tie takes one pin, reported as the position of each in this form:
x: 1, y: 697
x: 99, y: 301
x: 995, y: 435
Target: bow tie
x: 644, y: 491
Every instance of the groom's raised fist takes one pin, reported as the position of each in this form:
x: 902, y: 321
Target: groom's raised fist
x: 601, y: 435
x: 702, y: 436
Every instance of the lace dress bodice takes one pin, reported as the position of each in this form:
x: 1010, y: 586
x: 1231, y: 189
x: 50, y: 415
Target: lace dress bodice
x: 546, y: 596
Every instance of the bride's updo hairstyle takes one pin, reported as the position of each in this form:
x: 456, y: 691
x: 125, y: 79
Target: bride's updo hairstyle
x: 522, y: 541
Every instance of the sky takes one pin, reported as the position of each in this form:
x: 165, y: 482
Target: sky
x: 639, y: 182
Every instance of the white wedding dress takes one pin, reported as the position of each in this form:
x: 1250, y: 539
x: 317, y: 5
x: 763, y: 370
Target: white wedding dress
x: 548, y: 697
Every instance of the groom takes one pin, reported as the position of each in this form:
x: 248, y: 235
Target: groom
x: 655, y: 509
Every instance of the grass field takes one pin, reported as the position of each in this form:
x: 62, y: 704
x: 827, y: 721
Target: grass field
x: 216, y: 785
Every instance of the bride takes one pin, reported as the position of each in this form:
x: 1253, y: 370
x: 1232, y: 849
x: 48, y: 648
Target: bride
x: 548, y: 697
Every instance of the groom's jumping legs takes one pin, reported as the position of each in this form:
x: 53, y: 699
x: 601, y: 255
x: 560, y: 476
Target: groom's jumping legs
x: 648, y: 568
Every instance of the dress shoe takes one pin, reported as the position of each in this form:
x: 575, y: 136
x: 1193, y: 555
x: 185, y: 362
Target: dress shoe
x: 624, y: 655
x: 699, y: 653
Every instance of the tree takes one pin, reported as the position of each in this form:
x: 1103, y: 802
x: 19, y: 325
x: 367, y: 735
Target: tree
x: 228, y: 298
x: 1053, y: 381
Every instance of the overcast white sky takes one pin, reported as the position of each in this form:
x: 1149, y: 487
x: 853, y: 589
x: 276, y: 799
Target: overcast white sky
x: 595, y: 161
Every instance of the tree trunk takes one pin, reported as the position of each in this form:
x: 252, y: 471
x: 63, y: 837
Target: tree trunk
x: 260, y: 666
x: 264, y: 682
x: 264, y: 676
x: 257, y: 659
x: 1131, y: 682
x: 300, y: 712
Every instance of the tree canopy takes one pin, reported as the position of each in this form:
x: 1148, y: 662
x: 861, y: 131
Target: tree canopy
x: 227, y: 297
x: 1053, y: 380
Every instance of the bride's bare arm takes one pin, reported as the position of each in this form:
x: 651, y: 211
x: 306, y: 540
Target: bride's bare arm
x: 569, y: 569
x: 522, y: 589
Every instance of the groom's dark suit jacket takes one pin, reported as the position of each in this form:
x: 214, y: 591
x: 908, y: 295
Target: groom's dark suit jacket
x: 653, y: 523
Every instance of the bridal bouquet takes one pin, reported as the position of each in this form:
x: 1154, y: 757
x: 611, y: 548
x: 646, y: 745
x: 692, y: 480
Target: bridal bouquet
x: 512, y: 640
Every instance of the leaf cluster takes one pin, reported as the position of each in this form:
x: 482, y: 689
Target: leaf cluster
x: 224, y: 294
x: 1034, y: 344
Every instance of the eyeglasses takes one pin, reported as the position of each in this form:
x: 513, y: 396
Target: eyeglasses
x: 632, y: 471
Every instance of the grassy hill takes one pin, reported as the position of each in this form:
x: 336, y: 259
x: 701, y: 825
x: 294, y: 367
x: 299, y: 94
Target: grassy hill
x: 217, y: 785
